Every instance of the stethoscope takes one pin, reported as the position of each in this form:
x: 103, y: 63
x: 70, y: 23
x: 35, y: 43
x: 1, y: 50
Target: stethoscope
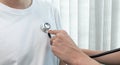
x: 46, y: 26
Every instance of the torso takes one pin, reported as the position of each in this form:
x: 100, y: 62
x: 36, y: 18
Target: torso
x: 22, y: 42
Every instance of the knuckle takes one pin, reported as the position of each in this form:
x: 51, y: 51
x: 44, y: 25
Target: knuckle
x: 59, y: 35
x: 54, y: 41
x: 63, y: 31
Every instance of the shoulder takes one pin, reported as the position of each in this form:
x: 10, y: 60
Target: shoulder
x: 45, y: 5
x: 45, y: 9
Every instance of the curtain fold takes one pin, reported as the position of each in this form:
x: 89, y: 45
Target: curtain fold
x: 100, y: 27
x: 115, y: 42
x: 83, y: 27
x: 93, y: 24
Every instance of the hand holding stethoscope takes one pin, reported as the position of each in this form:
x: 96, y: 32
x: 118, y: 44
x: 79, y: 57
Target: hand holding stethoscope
x: 46, y: 26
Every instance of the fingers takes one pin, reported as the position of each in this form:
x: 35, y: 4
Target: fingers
x: 56, y: 41
x: 59, y: 33
x: 53, y: 31
x: 56, y: 31
x: 51, y: 40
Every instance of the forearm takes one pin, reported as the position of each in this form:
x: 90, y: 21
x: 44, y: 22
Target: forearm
x: 108, y: 59
x: 81, y: 59
x: 84, y: 59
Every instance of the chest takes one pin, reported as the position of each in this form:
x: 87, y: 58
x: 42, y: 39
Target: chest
x: 17, y: 38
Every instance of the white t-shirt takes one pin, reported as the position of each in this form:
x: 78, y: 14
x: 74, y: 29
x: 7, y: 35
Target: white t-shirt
x: 22, y: 42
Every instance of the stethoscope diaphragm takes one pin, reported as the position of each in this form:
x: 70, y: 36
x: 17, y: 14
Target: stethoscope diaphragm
x: 45, y: 27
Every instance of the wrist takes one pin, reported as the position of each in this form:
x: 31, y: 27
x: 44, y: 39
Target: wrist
x: 83, y: 59
x: 79, y: 59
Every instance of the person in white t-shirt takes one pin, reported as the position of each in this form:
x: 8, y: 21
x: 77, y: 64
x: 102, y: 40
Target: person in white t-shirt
x: 22, y: 42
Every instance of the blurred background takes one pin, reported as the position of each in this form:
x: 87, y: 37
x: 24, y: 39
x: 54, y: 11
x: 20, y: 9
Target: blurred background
x: 92, y: 24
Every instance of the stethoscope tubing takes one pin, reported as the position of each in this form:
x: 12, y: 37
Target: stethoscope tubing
x: 105, y: 53
x: 49, y: 35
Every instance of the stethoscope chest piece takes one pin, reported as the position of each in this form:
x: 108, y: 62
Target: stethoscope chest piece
x: 45, y: 27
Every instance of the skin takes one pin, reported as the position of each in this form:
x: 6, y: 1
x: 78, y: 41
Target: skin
x: 111, y: 59
x: 18, y: 4
x: 64, y: 48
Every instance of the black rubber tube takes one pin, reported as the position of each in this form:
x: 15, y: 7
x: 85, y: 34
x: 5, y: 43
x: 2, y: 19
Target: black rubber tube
x: 105, y: 53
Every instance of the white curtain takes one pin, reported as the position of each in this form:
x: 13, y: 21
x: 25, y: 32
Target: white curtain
x: 93, y: 24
